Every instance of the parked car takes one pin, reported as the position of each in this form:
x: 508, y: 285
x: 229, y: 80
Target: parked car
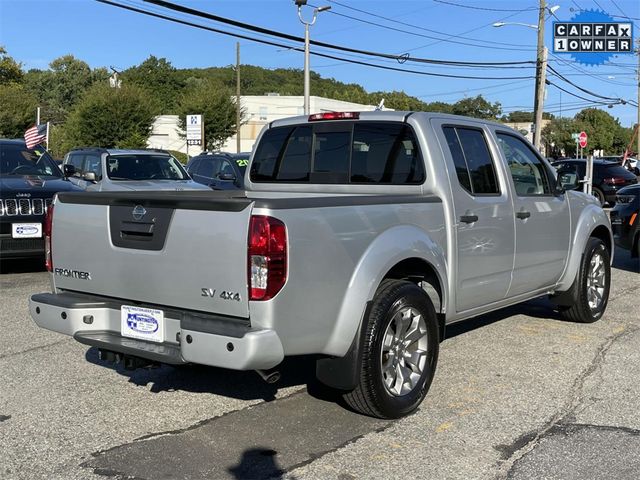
x: 625, y: 219
x: 359, y: 238
x: 608, y: 177
x: 220, y: 171
x: 29, y: 178
x: 631, y: 164
x: 99, y: 169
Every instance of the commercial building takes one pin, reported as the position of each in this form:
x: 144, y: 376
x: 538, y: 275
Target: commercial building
x: 258, y: 110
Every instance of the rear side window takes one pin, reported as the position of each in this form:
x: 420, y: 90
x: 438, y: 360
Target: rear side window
x: 339, y: 153
x: 474, y: 166
x: 614, y: 170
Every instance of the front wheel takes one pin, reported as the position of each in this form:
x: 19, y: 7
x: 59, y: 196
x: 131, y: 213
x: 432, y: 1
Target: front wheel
x: 592, y: 284
x: 399, y: 353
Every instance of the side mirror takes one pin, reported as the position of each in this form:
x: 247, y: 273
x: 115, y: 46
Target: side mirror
x: 89, y: 176
x: 68, y: 170
x: 568, y: 179
x: 230, y: 177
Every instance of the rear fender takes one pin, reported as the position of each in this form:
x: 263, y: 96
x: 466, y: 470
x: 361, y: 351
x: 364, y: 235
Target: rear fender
x: 387, y: 250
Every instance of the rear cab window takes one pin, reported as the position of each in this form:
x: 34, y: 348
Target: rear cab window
x: 339, y: 153
x: 474, y: 165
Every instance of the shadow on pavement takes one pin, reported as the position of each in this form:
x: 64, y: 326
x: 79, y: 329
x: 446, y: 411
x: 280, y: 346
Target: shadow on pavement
x: 243, y: 385
x: 21, y: 265
x: 257, y: 463
x: 537, y: 308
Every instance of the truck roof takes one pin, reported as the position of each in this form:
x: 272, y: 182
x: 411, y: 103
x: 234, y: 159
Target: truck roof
x: 389, y: 116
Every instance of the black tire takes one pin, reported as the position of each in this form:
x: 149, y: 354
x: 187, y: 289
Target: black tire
x: 596, y: 192
x: 372, y: 396
x: 580, y: 310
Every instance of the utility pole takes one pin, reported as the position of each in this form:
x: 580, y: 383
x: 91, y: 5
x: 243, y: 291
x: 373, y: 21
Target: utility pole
x: 238, y: 106
x: 638, y: 79
x: 541, y: 71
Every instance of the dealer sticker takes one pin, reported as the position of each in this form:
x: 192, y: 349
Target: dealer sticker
x: 26, y: 230
x: 142, y: 323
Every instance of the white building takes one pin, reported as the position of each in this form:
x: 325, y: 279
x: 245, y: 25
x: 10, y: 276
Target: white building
x: 258, y: 110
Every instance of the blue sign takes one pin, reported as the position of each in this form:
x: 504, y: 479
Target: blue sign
x: 592, y: 37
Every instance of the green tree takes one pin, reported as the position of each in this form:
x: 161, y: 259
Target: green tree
x: 557, y: 136
x: 111, y: 118
x: 59, y: 88
x: 161, y: 79
x: 600, y: 127
x: 215, y: 103
x: 522, y: 116
x: 10, y: 70
x: 441, y: 107
x: 17, y: 111
x: 477, y: 107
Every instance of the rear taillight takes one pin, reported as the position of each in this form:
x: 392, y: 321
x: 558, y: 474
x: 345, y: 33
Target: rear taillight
x: 615, y: 181
x: 48, y: 224
x: 267, y: 257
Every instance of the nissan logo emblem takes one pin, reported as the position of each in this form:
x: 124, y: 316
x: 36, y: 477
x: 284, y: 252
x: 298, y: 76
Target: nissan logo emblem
x: 138, y: 212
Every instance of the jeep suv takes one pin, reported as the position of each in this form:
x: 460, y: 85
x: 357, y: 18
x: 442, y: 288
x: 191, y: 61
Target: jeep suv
x: 29, y: 178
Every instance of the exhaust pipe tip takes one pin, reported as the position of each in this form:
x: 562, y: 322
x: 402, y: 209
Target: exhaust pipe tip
x: 269, y: 376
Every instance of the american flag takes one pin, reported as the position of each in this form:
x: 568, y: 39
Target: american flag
x: 35, y: 135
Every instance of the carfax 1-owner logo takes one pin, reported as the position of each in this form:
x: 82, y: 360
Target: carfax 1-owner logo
x: 592, y: 37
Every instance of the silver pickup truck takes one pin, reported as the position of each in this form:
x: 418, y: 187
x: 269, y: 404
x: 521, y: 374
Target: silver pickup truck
x: 359, y: 238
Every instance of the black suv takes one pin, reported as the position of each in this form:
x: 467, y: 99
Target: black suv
x: 625, y: 219
x: 220, y: 171
x: 29, y: 178
x: 608, y: 177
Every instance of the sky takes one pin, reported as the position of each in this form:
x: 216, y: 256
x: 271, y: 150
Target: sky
x: 35, y: 32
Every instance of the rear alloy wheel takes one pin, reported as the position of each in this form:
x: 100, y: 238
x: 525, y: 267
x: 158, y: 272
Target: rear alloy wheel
x: 399, y: 353
x: 592, y: 284
x: 596, y: 192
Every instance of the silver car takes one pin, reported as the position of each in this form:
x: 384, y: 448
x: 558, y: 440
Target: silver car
x: 99, y: 169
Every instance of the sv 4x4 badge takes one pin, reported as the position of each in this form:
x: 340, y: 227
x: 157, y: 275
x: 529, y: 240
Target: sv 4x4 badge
x: 225, y: 295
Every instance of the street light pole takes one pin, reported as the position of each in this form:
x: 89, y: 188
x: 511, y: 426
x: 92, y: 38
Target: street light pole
x: 541, y: 73
x: 307, y: 26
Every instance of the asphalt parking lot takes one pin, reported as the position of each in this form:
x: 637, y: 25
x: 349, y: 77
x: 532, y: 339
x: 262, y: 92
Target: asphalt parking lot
x: 519, y: 394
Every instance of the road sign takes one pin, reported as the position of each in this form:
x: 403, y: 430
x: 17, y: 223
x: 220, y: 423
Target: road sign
x: 575, y: 136
x: 194, y: 129
x: 582, y: 139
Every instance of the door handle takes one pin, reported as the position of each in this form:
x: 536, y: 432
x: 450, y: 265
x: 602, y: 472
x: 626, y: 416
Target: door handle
x: 469, y: 218
x: 522, y: 214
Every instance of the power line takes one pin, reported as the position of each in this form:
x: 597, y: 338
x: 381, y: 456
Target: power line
x: 580, y: 97
x: 281, y: 45
x: 254, y: 28
x: 486, y: 9
x: 559, y: 75
x: 422, y: 35
x: 418, y: 27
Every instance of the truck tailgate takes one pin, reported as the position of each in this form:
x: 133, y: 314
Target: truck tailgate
x: 186, y: 250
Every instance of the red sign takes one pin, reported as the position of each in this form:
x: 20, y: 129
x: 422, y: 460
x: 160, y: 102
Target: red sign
x: 582, y: 139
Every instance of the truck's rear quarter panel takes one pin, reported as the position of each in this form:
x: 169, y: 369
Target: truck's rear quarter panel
x: 327, y: 247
